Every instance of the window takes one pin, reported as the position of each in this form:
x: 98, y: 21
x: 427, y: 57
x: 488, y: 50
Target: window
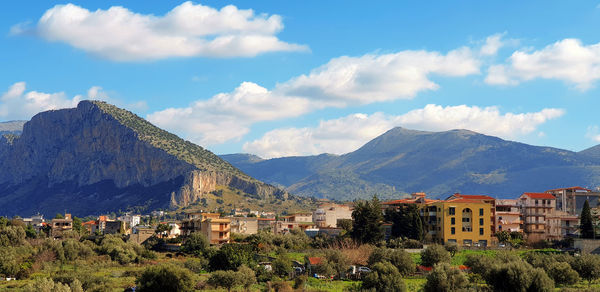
x: 466, y: 219
x: 480, y: 231
x: 452, y: 230
x: 452, y: 220
x: 536, y: 202
x: 480, y: 211
x: 451, y: 211
x: 480, y: 221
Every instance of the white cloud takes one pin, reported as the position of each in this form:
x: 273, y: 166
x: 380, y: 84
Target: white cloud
x: 593, y: 133
x: 374, y: 78
x: 17, y: 104
x: 492, y: 44
x: 187, y: 30
x: 349, y: 133
x: 567, y: 60
x: 228, y: 116
x: 342, y: 82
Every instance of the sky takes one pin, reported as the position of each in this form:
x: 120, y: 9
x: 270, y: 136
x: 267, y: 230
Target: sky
x: 286, y: 78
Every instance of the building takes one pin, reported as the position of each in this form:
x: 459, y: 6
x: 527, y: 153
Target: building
x: 571, y: 199
x: 113, y: 227
x: 266, y: 224
x: 59, y: 226
x: 536, y: 209
x: 141, y: 234
x: 216, y: 229
x: 415, y: 198
x: 244, y: 225
x: 36, y: 221
x: 300, y: 221
x: 508, y: 216
x: 328, y: 214
x: 484, y: 199
x: 130, y: 220
x: 459, y: 220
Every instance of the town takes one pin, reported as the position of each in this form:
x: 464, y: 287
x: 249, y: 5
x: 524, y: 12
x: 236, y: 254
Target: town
x: 336, y: 246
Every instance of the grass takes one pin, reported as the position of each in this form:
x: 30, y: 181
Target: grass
x: 414, y: 284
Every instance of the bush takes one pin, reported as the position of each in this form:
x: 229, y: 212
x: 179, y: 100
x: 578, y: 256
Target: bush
x: 384, y: 277
x: 452, y: 248
x: 231, y: 256
x: 282, y: 266
x: 540, y: 281
x: 247, y: 277
x: 225, y: 279
x: 196, y: 243
x: 562, y: 273
x: 519, y: 276
x: 402, y: 261
x: 165, y: 277
x: 378, y: 255
x: 196, y: 265
x: 587, y: 266
x: 445, y: 278
x: 434, y: 254
x: 480, y: 264
x: 46, y: 285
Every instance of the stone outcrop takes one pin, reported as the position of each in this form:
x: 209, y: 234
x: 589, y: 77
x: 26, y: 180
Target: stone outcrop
x: 91, y: 155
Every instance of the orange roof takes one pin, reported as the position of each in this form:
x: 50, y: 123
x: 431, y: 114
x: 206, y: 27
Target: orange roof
x: 102, y: 218
x: 315, y: 261
x: 91, y: 222
x: 539, y: 195
x: 473, y: 197
x: 266, y: 219
x: 408, y: 201
x: 463, y: 200
x: 571, y: 188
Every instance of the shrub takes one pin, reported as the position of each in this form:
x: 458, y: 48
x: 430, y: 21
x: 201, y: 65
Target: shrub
x: 166, y: 277
x: 46, y: 285
x: 445, y: 278
x: 378, y: 255
x: 300, y: 281
x: 562, y: 273
x: 196, y: 243
x: 225, y: 279
x: 338, y: 261
x: 196, y: 265
x: 518, y: 276
x: 452, y: 248
x: 587, y: 266
x: 402, y: 261
x: 231, y: 256
x: 247, y: 277
x: 480, y: 264
x: 540, y: 281
x: 384, y: 277
x: 434, y: 254
x: 282, y: 266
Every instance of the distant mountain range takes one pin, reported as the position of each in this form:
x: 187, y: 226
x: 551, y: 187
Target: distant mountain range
x: 99, y: 158
x: 403, y: 161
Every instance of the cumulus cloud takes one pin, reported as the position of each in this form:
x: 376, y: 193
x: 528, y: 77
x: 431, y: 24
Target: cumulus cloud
x: 19, y: 104
x: 567, y: 60
x: 187, y: 30
x: 343, y: 81
x: 492, y: 44
x: 348, y: 133
x: 593, y: 133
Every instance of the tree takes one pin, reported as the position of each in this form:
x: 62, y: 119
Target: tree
x: 231, y: 256
x: 338, y: 261
x: 166, y: 277
x: 503, y: 236
x: 587, y: 266
x: 367, y: 218
x: 59, y: 216
x: 196, y: 243
x: 452, y: 248
x: 434, y: 254
x: 587, y: 225
x: 247, y: 277
x: 445, y: 278
x: 562, y: 273
x: 225, y: 279
x: 406, y: 222
x: 282, y: 266
x: 384, y: 277
x: 518, y: 276
x: 402, y: 261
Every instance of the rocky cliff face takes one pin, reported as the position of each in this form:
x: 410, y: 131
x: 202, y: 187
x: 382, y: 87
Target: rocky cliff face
x: 97, y: 157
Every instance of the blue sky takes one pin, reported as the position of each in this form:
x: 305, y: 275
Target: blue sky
x: 299, y: 78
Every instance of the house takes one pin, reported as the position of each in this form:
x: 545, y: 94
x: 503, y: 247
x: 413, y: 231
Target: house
x: 300, y: 221
x: 59, y: 226
x: 571, y: 199
x: 141, y: 234
x: 265, y: 224
x: 508, y: 216
x: 244, y: 225
x: 312, y: 264
x: 328, y: 214
x: 459, y: 220
x: 536, y: 209
x: 130, y: 220
x: 216, y: 229
x: 415, y: 198
x: 104, y: 225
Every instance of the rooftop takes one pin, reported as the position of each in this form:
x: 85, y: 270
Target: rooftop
x: 539, y: 196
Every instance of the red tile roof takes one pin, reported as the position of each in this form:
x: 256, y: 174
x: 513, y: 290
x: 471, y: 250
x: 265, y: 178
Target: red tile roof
x: 539, y: 195
x: 464, y: 200
x: 571, y: 188
x: 315, y: 261
x: 473, y: 197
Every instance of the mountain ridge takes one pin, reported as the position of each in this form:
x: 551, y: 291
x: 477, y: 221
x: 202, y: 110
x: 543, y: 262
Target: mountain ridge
x: 402, y: 161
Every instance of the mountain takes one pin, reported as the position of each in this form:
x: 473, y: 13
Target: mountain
x: 403, y: 161
x: 11, y: 127
x: 99, y: 158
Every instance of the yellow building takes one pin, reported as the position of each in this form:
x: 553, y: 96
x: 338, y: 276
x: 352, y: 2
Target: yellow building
x: 216, y: 229
x: 464, y: 221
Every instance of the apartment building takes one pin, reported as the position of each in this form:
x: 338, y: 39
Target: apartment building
x: 244, y: 225
x: 537, y: 210
x: 328, y: 214
x: 571, y: 200
x: 463, y: 221
x: 508, y: 216
x: 484, y: 199
x: 59, y: 226
x: 216, y: 229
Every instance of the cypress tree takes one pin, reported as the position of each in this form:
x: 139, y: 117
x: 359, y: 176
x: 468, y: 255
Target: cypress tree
x: 586, y: 226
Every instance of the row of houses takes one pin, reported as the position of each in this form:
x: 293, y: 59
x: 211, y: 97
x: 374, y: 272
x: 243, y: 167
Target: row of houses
x: 473, y: 220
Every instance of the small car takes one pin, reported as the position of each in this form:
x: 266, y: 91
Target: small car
x: 364, y: 270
